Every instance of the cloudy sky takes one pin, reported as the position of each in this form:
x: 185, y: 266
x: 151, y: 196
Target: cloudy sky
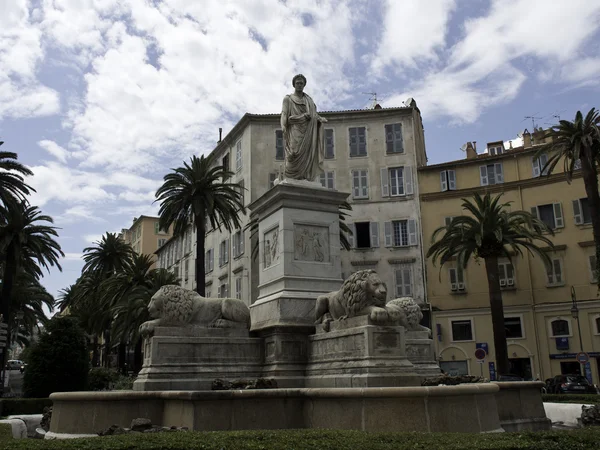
x: 101, y: 97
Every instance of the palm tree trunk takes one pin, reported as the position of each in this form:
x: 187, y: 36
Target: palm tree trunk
x: 122, y: 358
x: 497, y: 310
x: 8, y: 281
x: 137, y: 356
x: 590, y: 181
x: 106, y: 349
x: 95, y: 353
x: 200, y: 242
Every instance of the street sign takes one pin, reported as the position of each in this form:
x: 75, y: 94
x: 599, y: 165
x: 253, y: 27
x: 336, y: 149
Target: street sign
x: 480, y: 354
x: 582, y: 357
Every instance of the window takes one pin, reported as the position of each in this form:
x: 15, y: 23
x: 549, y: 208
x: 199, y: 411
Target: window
x: 224, y: 252
x: 327, y: 180
x: 496, y: 150
x: 272, y: 178
x: 175, y: 270
x: 506, y: 274
x: 396, y: 181
x: 225, y: 164
x: 360, y: 184
x: 209, y: 261
x: 560, y: 327
x: 593, y: 268
x: 448, y: 220
x: 207, y: 293
x: 448, y: 180
x: 393, y: 138
x: 597, y: 325
x: 279, y: 152
x: 329, y: 144
x: 403, y: 282
x: 156, y: 228
x: 238, y: 156
x: 581, y: 211
x: 188, y: 240
x: 513, y: 327
x: 551, y: 214
x: 238, y: 288
x: 161, y: 242
x: 400, y: 233
x: 538, y: 164
x: 491, y: 174
x: 366, y: 235
x: 223, y: 290
x: 457, y: 279
x: 462, y: 330
x: 186, y: 269
x: 238, y: 243
x: 358, y: 141
x: 554, y: 272
x: 242, y: 190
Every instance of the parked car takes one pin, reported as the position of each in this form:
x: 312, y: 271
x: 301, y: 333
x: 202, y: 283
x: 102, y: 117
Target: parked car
x: 13, y: 364
x: 570, y: 384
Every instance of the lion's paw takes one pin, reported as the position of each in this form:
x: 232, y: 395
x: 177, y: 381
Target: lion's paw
x: 379, y: 315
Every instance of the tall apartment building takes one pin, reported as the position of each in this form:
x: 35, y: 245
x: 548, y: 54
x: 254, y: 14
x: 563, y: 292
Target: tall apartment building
x: 371, y: 154
x: 145, y: 235
x: 542, y: 333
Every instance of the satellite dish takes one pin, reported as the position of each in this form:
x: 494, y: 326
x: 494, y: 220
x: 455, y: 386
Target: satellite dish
x: 409, y: 102
x: 463, y: 147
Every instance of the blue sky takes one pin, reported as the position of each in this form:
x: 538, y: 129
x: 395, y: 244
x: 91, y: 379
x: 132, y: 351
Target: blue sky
x: 101, y: 97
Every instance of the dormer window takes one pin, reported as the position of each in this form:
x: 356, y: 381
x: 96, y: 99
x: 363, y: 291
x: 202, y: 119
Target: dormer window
x: 495, y: 150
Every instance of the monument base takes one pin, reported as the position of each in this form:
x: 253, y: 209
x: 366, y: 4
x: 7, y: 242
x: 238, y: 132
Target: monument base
x: 178, y: 359
x: 358, y: 353
x: 420, y: 352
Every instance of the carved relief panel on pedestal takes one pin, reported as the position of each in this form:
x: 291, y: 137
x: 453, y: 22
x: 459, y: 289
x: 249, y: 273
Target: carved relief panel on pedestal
x: 271, y: 247
x: 311, y: 243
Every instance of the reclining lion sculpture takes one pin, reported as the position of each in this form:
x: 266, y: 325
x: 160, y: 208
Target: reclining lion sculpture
x: 364, y: 293
x: 175, y: 306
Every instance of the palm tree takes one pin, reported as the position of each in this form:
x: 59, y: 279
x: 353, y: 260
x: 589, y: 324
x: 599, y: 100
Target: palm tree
x: 490, y: 232
x: 196, y: 193
x: 573, y: 143
x: 12, y: 182
x: 25, y: 243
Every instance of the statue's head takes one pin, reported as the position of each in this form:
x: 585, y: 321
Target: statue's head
x: 297, y: 78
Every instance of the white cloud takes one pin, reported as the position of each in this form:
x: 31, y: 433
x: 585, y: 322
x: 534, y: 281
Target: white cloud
x: 72, y: 256
x: 55, y: 150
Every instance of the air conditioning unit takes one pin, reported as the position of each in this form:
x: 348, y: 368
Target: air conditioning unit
x: 453, y: 287
x: 510, y: 282
x: 461, y: 286
x: 502, y: 282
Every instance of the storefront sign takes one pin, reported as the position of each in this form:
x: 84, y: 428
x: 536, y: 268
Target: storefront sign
x: 562, y: 343
x: 572, y: 355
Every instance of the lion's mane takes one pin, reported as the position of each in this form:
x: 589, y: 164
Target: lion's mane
x: 411, y: 310
x: 174, y: 303
x: 355, y: 291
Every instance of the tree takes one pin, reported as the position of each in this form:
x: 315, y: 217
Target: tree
x: 58, y: 362
x: 12, y: 182
x: 490, y: 232
x: 199, y: 193
x: 25, y: 243
x: 575, y: 143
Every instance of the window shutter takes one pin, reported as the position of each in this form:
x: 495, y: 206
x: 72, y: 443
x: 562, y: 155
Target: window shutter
x: 499, y: 173
x: 389, y: 138
x: 227, y: 250
x: 355, y: 183
x: 385, y: 189
x: 443, y: 181
x: 501, y: 272
x: 558, y: 215
x: 483, y: 175
x: 242, y: 238
x: 362, y: 141
x: 407, y: 283
x: 451, y: 180
x: 211, y: 259
x: 323, y: 180
x: 453, y: 278
x: 543, y: 162
x: 577, y: 212
x: 351, y: 236
x: 534, y: 212
x: 364, y: 183
x: 353, y: 132
x: 408, y: 180
x: 221, y: 254
x: 206, y: 262
x: 412, y: 232
x: 330, y: 180
x: 557, y: 270
x: 398, y: 144
x: 535, y: 163
x: 235, y: 245
x: 387, y: 228
x: 592, y: 260
x: 549, y: 272
x: 374, y: 234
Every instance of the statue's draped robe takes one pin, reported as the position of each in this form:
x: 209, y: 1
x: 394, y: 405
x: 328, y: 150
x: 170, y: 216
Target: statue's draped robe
x: 304, y: 153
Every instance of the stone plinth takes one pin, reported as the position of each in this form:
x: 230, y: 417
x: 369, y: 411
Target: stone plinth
x: 520, y: 406
x: 358, y: 353
x: 420, y: 352
x: 299, y: 259
x: 191, y: 358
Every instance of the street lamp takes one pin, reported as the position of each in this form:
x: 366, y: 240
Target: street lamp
x: 575, y: 314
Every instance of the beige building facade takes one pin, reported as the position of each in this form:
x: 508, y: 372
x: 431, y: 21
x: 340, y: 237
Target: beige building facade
x: 144, y: 235
x: 371, y: 154
x: 543, y: 334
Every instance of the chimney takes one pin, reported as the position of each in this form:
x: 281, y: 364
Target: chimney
x: 526, y: 139
x: 220, y: 134
x: 539, y: 136
x: 510, y: 145
x: 471, y: 150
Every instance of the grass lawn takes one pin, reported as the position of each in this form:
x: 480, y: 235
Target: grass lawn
x: 323, y: 439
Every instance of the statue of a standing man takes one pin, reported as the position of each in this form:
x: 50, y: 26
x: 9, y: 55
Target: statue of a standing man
x: 302, y: 133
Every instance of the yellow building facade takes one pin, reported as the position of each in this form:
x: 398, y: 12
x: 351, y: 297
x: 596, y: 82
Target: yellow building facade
x: 542, y: 332
x: 145, y: 235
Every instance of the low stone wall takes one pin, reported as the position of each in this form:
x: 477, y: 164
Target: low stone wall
x: 464, y: 408
x: 520, y: 406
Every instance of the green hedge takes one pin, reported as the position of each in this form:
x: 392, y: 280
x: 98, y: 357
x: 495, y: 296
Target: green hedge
x: 323, y: 440
x: 5, y: 432
x: 11, y: 406
x: 571, y: 398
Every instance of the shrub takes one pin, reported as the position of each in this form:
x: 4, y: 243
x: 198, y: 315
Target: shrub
x: 101, y: 378
x: 571, y: 398
x: 123, y: 383
x: 11, y: 406
x: 59, y: 361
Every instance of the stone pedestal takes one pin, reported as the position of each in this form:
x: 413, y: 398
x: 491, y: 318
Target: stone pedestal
x: 299, y: 259
x: 420, y: 352
x: 358, y: 353
x: 191, y: 358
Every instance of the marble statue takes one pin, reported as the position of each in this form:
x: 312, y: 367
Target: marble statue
x: 302, y: 133
x: 410, y: 314
x: 175, y: 306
